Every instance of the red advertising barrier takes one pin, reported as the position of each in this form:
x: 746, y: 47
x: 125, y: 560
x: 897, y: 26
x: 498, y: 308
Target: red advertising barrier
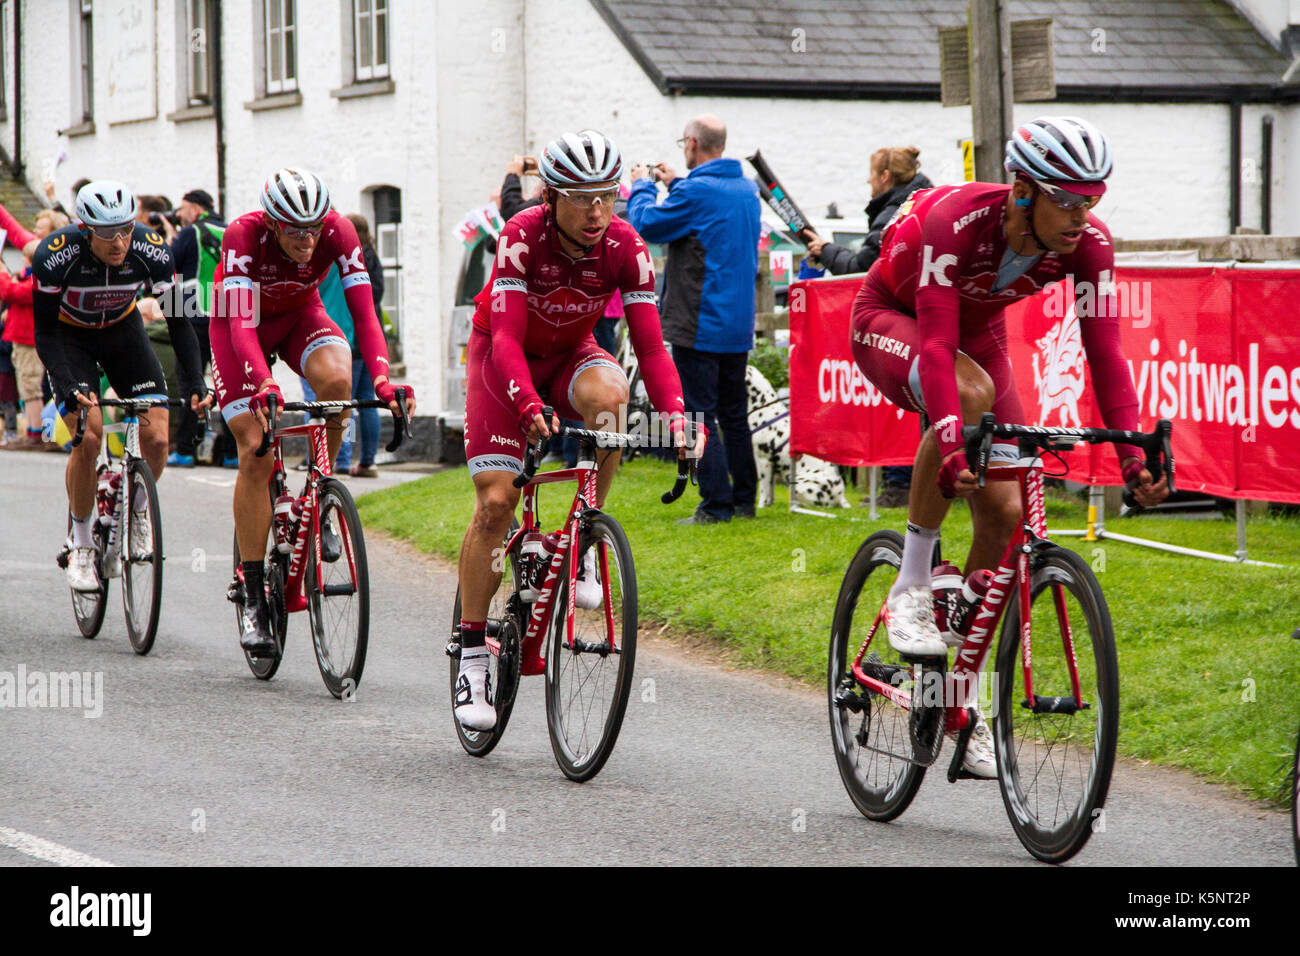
x: 1215, y: 350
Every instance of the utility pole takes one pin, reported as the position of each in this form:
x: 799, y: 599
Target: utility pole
x: 990, y: 86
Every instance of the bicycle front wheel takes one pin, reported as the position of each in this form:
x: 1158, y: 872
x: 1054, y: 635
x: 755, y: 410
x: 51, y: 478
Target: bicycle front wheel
x: 142, y: 556
x: 1056, y: 750
x: 338, y: 593
x: 264, y: 668
x: 873, y: 744
x: 588, y: 681
x: 88, y: 606
x: 505, y: 622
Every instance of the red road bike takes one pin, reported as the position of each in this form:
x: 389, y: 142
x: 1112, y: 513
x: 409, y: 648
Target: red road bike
x: 1055, y: 686
x: 335, y: 593
x: 535, y: 627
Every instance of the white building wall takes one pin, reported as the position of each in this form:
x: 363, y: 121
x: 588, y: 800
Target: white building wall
x: 477, y: 82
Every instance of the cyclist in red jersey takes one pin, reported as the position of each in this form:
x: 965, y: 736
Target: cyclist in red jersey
x: 556, y: 267
x: 272, y: 260
x: 928, y: 330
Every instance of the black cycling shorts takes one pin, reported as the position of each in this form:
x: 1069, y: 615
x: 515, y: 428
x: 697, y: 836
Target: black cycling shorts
x: 123, y: 351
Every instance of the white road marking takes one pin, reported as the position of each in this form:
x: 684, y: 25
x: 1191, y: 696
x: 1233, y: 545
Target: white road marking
x: 219, y: 482
x: 41, y: 849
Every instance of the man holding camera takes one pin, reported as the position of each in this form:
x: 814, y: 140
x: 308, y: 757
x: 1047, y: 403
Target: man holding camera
x: 196, y: 249
x: 710, y: 221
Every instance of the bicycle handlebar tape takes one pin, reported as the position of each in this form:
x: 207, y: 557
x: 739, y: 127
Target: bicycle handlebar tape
x: 679, y: 486
x: 399, y: 434
x: 263, y: 448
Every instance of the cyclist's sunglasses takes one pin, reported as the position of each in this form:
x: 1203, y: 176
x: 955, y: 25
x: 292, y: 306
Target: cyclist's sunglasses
x: 306, y: 232
x: 1064, y: 199
x: 109, y: 233
x: 585, y: 200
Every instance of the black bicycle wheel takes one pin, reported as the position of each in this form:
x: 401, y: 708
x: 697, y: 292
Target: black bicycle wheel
x: 142, y: 557
x: 588, y: 682
x: 264, y: 668
x: 874, y: 749
x: 1295, y: 799
x: 338, y: 594
x: 1056, y: 753
x: 505, y: 621
x: 88, y: 606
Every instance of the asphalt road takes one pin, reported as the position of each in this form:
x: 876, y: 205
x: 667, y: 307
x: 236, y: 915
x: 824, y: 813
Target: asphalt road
x: 194, y: 761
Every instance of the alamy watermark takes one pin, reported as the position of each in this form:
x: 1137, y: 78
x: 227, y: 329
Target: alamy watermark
x: 74, y: 690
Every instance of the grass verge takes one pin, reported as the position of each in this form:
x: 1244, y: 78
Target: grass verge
x: 1208, y: 672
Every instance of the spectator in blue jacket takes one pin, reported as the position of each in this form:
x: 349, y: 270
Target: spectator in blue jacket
x: 710, y: 221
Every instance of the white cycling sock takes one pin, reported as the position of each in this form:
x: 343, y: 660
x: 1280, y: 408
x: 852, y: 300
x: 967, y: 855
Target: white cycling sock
x: 473, y: 657
x: 81, y: 531
x: 918, y: 548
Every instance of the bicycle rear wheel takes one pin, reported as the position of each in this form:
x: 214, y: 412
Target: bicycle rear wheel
x: 588, y: 682
x: 88, y: 606
x: 142, y: 557
x: 505, y: 621
x: 264, y: 668
x: 1054, y: 756
x: 338, y: 594
x: 874, y: 750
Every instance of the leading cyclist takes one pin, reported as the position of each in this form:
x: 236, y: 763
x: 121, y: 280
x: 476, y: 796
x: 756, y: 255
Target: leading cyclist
x: 929, y: 332
x: 557, y: 265
x: 272, y: 260
x: 94, y: 278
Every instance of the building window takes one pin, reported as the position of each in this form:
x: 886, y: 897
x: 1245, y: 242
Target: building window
x: 86, y: 36
x: 388, y: 243
x: 199, y: 67
x: 370, y: 38
x: 281, y: 46
x: 4, y: 56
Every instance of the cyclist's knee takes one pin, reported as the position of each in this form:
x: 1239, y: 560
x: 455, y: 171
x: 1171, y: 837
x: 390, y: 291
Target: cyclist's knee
x: 998, y: 516
x: 976, y: 390
x: 152, y: 442
x: 494, y: 507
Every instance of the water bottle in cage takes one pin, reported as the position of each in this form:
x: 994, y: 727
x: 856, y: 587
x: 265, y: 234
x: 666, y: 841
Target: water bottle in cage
x: 108, y: 481
x: 534, y: 557
x: 287, y: 512
x: 945, y: 582
x: 968, y: 601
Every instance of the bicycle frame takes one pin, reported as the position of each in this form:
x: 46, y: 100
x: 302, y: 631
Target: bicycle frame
x: 319, y: 468
x: 1013, y: 571
x: 584, y: 498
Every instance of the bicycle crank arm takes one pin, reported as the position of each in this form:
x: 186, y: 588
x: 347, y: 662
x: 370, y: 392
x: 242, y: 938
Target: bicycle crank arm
x: 963, y: 738
x: 1054, y: 705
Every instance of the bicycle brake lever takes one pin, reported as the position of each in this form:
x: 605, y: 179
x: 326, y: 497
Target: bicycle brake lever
x: 404, y: 432
x: 271, y: 411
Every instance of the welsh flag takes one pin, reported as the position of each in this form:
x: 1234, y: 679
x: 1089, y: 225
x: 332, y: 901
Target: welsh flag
x: 478, y: 223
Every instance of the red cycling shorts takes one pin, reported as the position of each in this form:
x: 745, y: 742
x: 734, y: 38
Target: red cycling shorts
x: 494, y: 439
x: 886, y: 346
x: 293, y: 336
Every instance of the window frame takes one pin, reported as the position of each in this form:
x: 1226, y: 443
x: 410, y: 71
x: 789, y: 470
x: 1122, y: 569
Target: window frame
x: 86, y: 55
x: 199, y: 62
x: 281, y: 40
x: 369, y: 12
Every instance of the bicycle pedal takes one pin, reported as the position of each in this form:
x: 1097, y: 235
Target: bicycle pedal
x: 234, y: 591
x: 453, y: 649
x: 965, y: 774
x: 930, y: 660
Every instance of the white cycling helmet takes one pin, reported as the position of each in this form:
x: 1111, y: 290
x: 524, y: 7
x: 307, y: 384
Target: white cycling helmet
x: 105, y: 202
x: 1061, y: 151
x: 580, y: 161
x: 295, y: 197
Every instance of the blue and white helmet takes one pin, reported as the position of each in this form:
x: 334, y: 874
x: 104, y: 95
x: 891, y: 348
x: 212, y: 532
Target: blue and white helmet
x: 296, y: 197
x: 580, y: 161
x: 105, y: 202
x: 1061, y: 151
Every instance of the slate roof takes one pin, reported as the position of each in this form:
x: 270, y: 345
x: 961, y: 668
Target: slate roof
x: 1155, y: 50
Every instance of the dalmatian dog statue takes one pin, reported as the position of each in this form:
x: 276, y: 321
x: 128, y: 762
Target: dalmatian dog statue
x: 819, y: 483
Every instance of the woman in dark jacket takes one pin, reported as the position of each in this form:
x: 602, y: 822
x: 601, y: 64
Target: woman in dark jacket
x: 893, y: 178
x: 363, y: 389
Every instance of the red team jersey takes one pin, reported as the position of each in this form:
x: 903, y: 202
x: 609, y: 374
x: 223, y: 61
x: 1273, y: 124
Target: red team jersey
x: 939, y: 262
x: 540, y: 303
x: 261, y: 284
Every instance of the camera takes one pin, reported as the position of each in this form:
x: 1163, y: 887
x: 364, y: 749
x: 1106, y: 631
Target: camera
x: 156, y: 218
